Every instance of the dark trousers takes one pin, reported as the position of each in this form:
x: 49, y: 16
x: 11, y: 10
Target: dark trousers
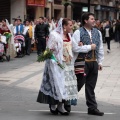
x: 117, y: 36
x: 41, y: 45
x: 91, y: 71
x: 107, y: 39
x: 28, y: 45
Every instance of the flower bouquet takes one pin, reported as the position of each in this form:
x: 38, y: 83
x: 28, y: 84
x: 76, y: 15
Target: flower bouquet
x: 7, y: 35
x: 48, y: 54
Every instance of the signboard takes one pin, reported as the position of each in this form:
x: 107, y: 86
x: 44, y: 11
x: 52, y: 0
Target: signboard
x: 40, y: 3
x: 84, y: 9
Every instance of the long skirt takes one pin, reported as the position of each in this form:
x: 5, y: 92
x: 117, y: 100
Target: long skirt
x: 56, y: 89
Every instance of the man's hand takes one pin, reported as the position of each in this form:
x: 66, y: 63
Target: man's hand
x: 32, y: 41
x: 100, y: 67
x: 93, y: 46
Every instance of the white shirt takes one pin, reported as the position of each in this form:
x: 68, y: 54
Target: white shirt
x: 26, y: 29
x: 76, y: 38
x: 107, y: 32
x: 90, y: 34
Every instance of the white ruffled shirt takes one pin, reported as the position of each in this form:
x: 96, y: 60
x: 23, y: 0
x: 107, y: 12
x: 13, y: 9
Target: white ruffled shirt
x: 76, y: 39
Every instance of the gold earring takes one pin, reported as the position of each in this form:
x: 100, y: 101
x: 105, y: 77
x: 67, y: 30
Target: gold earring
x: 64, y: 30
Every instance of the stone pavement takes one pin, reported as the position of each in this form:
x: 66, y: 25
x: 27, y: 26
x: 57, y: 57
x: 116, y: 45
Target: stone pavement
x: 108, y: 85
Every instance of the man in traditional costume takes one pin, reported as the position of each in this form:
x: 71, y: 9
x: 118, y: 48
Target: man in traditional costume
x: 87, y: 65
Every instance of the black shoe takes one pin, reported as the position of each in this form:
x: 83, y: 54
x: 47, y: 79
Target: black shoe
x: 95, y: 112
x: 63, y: 113
x: 27, y: 54
x: 67, y: 108
x: 17, y: 56
x: 54, y: 112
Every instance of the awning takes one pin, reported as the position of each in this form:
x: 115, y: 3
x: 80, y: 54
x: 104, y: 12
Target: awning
x: 40, y: 3
x: 105, y: 8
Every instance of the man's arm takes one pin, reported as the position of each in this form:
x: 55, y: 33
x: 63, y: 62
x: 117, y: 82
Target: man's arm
x: 100, y: 51
x: 25, y: 30
x: 32, y: 33
x: 35, y: 32
x: 76, y: 36
x: 76, y: 41
x: 14, y: 31
x: 46, y: 31
x: 80, y: 49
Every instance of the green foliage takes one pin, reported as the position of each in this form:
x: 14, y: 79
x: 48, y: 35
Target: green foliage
x: 8, y: 35
x: 45, y: 55
x: 48, y: 54
x: 66, y: 3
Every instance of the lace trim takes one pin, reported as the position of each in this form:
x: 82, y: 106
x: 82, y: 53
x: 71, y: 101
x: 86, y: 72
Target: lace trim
x: 50, y: 86
x: 71, y: 97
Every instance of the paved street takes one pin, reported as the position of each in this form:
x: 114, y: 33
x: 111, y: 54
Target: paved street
x: 20, y: 81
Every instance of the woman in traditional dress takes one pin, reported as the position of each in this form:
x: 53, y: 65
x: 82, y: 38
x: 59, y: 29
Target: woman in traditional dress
x: 60, y: 85
x: 5, y: 30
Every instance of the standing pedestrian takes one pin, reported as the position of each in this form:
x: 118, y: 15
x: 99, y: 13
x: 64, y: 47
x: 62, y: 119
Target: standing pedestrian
x: 29, y: 36
x: 41, y: 35
x: 117, y: 32
x: 89, y: 64
x: 108, y: 34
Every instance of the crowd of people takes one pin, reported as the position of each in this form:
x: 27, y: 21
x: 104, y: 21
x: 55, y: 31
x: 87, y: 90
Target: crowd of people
x: 110, y: 31
x: 25, y: 35
x: 77, y: 46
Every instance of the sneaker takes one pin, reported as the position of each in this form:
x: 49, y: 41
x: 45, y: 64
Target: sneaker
x: 95, y: 112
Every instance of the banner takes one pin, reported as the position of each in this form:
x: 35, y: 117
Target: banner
x: 40, y: 3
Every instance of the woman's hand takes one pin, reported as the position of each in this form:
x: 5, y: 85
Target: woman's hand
x: 80, y: 44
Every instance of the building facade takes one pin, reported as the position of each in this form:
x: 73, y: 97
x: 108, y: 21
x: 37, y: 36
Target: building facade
x: 52, y: 8
x: 5, y: 9
x: 103, y: 9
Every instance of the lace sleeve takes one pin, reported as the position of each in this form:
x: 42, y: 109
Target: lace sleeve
x: 51, y: 44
